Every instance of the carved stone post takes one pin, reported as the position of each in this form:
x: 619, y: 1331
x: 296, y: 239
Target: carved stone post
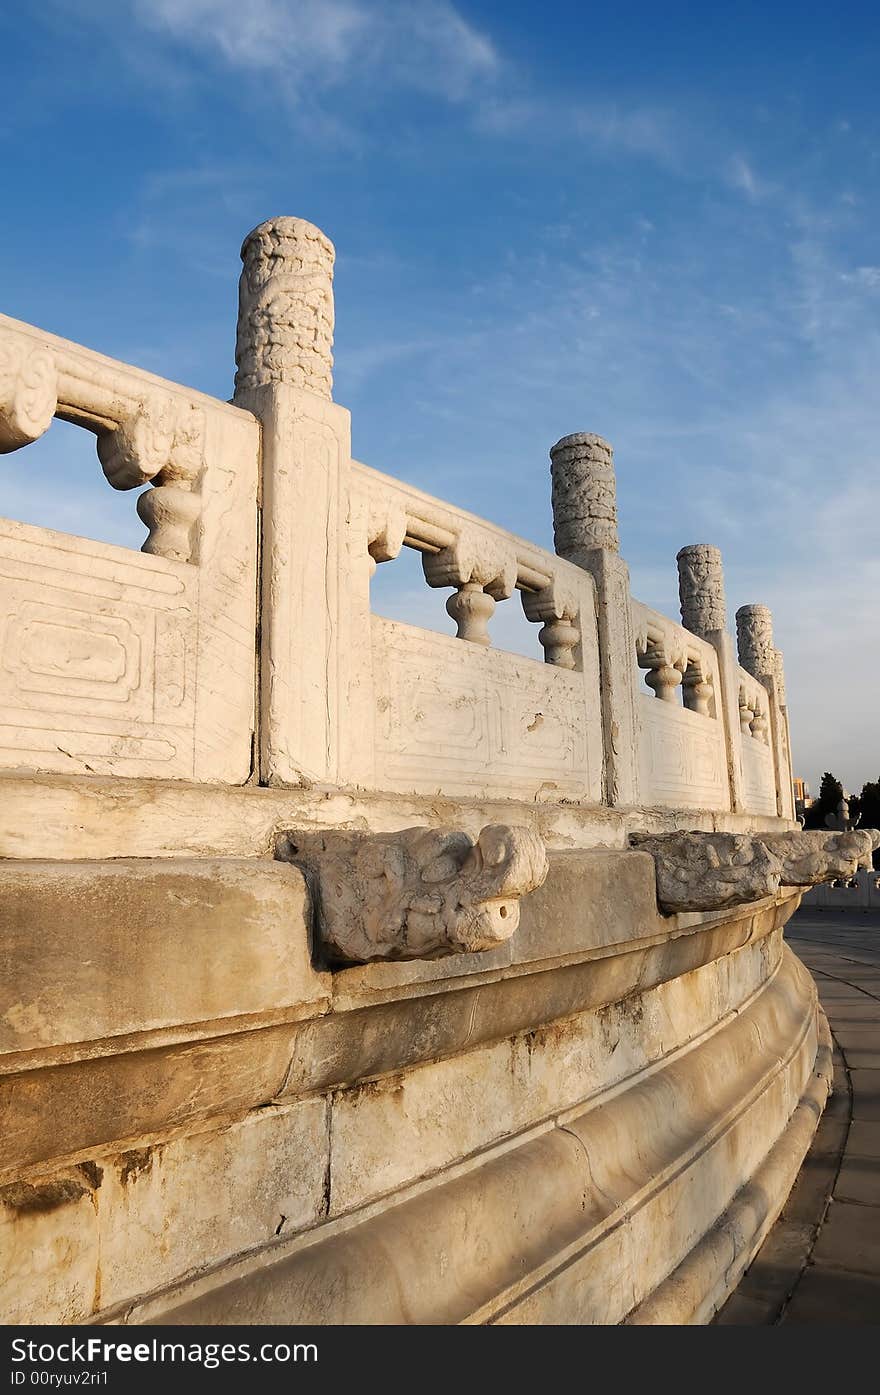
x: 284, y: 358
x: 704, y: 613
x: 285, y: 308
x: 701, y: 590
x: 585, y: 532
x: 785, y: 736
x: 757, y: 655
x: 754, y: 635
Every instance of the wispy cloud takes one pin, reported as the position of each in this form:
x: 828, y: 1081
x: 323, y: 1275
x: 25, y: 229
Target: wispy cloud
x: 298, y: 43
x: 607, y: 127
x: 741, y: 176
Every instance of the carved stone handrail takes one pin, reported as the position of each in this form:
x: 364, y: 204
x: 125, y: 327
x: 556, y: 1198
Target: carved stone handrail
x: 673, y: 655
x: 483, y: 562
x: 421, y: 893
x: 148, y: 431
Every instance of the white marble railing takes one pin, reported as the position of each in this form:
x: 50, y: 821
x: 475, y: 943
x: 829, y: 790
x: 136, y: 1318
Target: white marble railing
x: 114, y: 662
x: 166, y: 664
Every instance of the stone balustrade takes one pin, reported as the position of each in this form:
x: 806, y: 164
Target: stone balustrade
x: 346, y: 697
x: 115, y: 663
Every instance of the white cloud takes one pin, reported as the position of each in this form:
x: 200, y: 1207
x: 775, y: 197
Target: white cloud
x: 868, y: 276
x: 319, y: 43
x: 610, y: 127
x: 740, y: 175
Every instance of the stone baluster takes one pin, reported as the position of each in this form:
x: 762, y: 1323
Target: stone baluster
x: 557, y: 612
x: 386, y: 530
x: 704, y: 613
x: 697, y: 690
x: 162, y: 444
x: 746, y: 713
x: 585, y: 533
x: 759, y: 725
x: 663, y: 676
x: 482, y: 573
x: 784, y: 737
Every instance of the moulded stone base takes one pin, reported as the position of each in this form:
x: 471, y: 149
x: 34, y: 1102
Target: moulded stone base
x: 644, y: 1203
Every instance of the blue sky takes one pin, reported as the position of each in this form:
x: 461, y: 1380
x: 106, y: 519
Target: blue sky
x: 658, y: 222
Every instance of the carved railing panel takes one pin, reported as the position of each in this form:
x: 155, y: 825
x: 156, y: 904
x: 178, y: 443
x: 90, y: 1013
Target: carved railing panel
x: 758, y: 776
x: 682, y: 757
x: 467, y: 717
x: 112, y: 662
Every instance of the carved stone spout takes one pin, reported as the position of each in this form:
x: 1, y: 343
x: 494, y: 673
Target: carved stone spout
x: 813, y: 856
x: 709, y: 871
x: 418, y: 894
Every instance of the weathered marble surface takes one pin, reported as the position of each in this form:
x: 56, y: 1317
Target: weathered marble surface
x: 708, y: 871
x: 701, y: 589
x: 417, y: 894
x: 813, y: 856
x: 286, y: 316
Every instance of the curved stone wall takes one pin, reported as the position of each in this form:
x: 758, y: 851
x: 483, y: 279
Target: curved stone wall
x: 593, y: 1123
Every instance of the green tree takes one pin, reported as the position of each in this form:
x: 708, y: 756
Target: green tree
x: 830, y: 795
x: 869, y: 810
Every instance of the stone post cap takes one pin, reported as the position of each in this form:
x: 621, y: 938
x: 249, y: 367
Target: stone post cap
x: 583, y: 495
x: 706, y: 552
x: 581, y: 438
x: 275, y: 232
x: 285, y: 308
x: 755, y: 615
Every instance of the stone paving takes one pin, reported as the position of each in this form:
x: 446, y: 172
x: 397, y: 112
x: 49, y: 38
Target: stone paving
x: 821, y: 1261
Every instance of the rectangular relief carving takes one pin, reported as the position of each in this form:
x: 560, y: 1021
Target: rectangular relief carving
x: 682, y: 758
x: 759, y: 783
x: 453, y: 716
x: 96, y: 645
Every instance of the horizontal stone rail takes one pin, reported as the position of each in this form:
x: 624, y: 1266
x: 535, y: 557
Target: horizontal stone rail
x: 112, y: 662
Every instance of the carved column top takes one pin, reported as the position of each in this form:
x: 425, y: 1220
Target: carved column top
x: 754, y: 634
x: 701, y: 589
x: 584, y: 495
x: 285, y: 315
